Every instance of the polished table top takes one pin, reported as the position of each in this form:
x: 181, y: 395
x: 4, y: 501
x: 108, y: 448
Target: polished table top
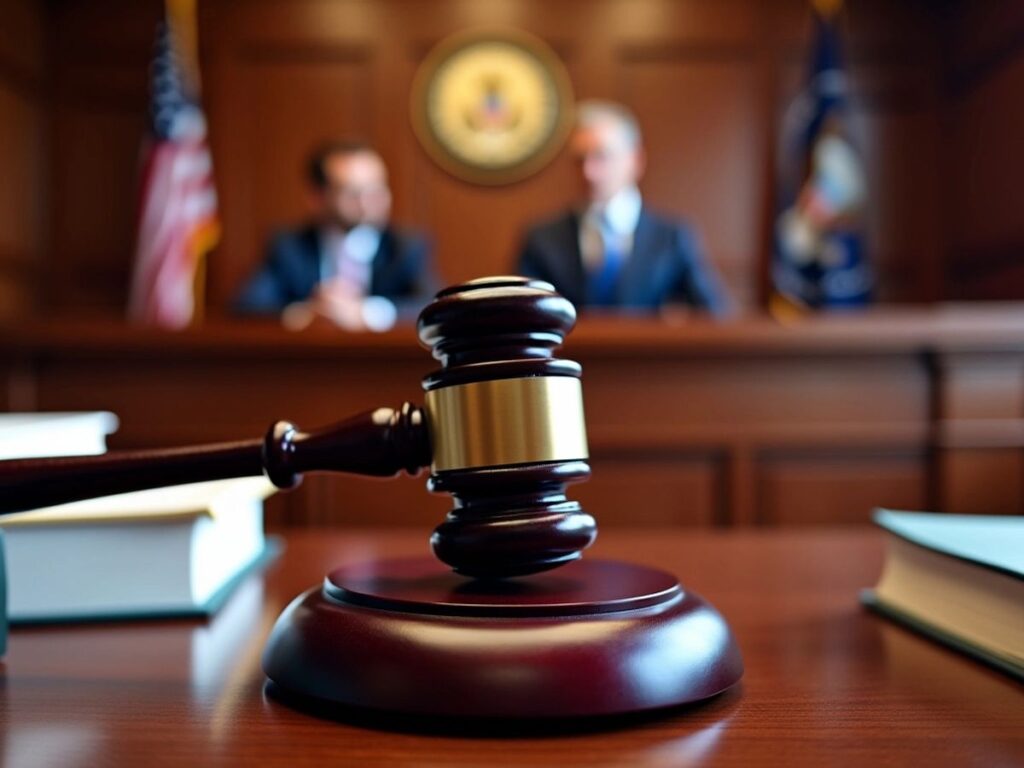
x: 826, y: 682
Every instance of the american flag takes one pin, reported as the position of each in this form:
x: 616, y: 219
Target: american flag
x: 177, y: 222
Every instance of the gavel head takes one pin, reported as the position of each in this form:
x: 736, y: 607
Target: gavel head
x: 506, y: 426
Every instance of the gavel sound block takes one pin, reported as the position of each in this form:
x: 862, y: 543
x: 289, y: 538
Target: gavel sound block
x: 516, y: 624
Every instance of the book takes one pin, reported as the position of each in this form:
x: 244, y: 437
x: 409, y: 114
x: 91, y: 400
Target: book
x: 959, y: 579
x: 23, y: 435
x: 48, y: 434
x: 175, y: 551
x: 3, y: 599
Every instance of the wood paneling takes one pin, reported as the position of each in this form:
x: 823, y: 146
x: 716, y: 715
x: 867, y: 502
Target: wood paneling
x: 645, y: 488
x: 750, y: 423
x: 905, y: 227
x: 298, y: 97
x: 22, y: 154
x: 989, y: 481
x: 708, y: 80
x: 101, y: 60
x: 975, y: 386
x: 95, y: 197
x: 352, y: 502
x: 706, y: 158
x: 979, y: 400
x: 985, y: 82
x: 829, y: 487
x: 988, y: 228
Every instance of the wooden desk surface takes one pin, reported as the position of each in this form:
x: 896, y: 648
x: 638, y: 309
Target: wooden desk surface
x: 826, y: 683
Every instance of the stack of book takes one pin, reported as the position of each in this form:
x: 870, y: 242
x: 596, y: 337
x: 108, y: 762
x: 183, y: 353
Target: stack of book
x: 165, y: 552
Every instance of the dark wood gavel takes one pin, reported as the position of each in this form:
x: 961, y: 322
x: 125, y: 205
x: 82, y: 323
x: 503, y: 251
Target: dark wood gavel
x: 502, y: 431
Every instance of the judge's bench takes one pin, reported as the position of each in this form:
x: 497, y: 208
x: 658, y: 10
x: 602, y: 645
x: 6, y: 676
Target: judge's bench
x: 691, y: 423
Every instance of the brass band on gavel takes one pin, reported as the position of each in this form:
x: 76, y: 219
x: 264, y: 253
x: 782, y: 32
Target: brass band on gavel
x: 507, y: 421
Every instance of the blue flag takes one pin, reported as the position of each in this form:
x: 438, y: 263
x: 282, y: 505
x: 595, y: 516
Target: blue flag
x: 819, y: 239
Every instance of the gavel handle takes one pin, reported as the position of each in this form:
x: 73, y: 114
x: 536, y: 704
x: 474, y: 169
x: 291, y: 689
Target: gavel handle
x: 380, y: 443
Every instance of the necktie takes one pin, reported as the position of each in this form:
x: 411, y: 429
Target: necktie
x: 603, y: 281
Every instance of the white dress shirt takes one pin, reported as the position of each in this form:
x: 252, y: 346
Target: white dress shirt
x: 349, y: 256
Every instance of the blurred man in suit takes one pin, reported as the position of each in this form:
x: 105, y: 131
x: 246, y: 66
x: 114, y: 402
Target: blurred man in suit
x: 349, y: 265
x: 611, y: 250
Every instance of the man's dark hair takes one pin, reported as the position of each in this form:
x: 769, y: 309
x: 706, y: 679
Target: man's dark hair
x: 316, y: 166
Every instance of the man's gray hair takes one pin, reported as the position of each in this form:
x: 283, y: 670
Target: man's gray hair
x: 593, y: 111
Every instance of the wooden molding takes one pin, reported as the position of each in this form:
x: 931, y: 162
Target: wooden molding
x: 418, y: 48
x: 676, y: 50
x: 968, y: 434
x: 271, y: 51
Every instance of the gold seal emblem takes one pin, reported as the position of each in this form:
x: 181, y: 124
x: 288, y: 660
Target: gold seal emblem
x: 492, y: 107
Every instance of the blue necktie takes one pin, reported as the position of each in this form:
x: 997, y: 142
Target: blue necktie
x: 603, y: 282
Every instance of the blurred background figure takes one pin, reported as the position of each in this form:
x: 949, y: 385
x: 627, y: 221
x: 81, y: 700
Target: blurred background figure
x: 349, y: 265
x: 611, y: 250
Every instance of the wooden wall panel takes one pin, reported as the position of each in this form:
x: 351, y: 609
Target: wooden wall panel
x: 23, y: 150
x: 979, y: 394
x: 640, y: 489
x: 95, y: 201
x: 976, y: 387
x: 101, y: 57
x: 906, y: 230
x: 705, y: 150
x: 985, y: 82
x: 723, y: 392
x: 21, y: 232
x: 298, y: 97
x: 706, y: 78
x: 353, y: 502
x: 829, y: 488
x: 983, y: 481
x: 23, y: 42
x: 479, y: 230
x: 988, y: 229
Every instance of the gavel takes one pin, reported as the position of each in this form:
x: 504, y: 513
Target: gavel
x: 502, y: 430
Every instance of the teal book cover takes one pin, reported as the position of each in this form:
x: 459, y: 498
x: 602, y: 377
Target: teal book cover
x: 995, y: 542
x: 3, y: 598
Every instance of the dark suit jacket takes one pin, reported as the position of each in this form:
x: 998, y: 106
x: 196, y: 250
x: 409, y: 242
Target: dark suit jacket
x: 401, y: 271
x: 666, y: 265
